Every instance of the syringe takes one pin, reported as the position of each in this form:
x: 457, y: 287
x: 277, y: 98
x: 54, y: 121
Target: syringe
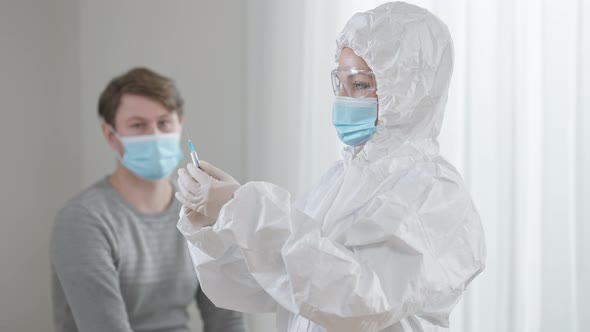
x: 193, y: 153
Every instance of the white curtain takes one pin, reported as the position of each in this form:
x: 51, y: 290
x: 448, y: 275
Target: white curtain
x: 517, y: 127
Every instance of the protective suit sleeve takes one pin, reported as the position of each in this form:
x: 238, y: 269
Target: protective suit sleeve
x: 222, y: 271
x: 393, y: 263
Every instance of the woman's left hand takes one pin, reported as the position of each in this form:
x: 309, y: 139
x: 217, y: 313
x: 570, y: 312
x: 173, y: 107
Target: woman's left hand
x: 206, y: 189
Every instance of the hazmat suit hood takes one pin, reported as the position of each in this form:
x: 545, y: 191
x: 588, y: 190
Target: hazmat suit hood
x: 411, y: 54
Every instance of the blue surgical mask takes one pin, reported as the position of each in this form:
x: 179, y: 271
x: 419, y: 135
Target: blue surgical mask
x: 354, y: 119
x: 151, y: 157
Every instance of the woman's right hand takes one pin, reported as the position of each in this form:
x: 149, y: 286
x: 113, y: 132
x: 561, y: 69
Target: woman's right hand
x: 197, y: 219
x: 205, y: 190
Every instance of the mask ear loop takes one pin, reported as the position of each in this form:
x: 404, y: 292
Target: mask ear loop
x: 119, y: 157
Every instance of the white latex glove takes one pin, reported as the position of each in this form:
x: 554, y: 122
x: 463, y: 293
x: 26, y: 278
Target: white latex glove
x: 197, y: 219
x: 204, y: 190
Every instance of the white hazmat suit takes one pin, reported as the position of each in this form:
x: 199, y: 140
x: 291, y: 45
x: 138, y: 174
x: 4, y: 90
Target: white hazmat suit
x: 389, y: 238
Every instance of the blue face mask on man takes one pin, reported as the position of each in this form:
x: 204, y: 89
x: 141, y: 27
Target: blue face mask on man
x: 354, y: 119
x: 151, y: 157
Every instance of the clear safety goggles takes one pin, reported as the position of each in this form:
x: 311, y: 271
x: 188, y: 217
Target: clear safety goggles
x: 357, y: 83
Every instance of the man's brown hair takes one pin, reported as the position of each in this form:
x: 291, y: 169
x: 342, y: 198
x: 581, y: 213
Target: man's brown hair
x: 142, y: 82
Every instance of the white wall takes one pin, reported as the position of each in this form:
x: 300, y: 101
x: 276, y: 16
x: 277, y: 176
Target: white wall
x: 38, y: 139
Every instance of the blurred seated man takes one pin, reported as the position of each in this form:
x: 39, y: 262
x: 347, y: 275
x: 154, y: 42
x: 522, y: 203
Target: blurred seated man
x: 118, y: 261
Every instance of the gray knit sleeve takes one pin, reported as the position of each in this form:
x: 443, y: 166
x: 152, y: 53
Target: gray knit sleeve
x: 84, y: 261
x: 216, y: 319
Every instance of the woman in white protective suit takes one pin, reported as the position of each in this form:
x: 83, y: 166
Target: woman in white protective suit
x: 389, y: 238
